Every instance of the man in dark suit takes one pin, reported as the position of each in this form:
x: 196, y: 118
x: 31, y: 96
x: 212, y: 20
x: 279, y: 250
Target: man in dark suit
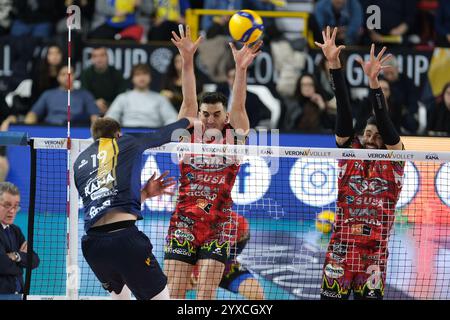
x: 256, y: 109
x: 13, y: 247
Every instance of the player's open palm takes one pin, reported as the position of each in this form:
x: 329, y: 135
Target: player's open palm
x: 329, y: 48
x: 157, y: 187
x: 245, y: 56
x: 184, y: 43
x: 373, y: 67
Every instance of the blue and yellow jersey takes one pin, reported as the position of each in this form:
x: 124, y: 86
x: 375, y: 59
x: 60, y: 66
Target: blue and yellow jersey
x: 108, y: 173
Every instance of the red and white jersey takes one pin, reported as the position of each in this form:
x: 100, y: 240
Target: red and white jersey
x: 206, y: 182
x: 367, y: 196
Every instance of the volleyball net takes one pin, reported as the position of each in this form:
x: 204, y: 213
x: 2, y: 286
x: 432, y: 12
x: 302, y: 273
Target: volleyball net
x: 288, y: 197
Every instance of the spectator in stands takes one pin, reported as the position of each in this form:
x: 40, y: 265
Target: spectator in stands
x: 256, y: 109
x: 307, y: 110
x: 44, y: 77
x: 4, y: 163
x: 34, y: 18
x: 363, y: 110
x: 406, y: 95
x: 45, y: 74
x: 346, y: 15
x: 442, y: 24
x: 322, y: 74
x: 397, y: 19
x: 6, y: 7
x: 13, y: 246
x: 171, y: 83
x: 118, y: 19
x: 141, y: 107
x: 102, y: 80
x: 439, y: 117
x: 167, y: 16
x: 51, y: 107
x: 218, y: 25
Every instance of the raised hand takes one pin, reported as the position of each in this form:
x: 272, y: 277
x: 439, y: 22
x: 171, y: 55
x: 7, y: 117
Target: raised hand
x: 156, y: 187
x: 329, y: 48
x: 373, y: 67
x: 245, y: 56
x: 184, y: 43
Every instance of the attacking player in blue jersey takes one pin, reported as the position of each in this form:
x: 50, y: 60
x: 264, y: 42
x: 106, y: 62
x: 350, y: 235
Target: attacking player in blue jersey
x: 108, y: 178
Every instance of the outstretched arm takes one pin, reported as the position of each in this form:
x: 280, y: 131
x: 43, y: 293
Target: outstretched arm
x: 187, y: 49
x: 344, y: 123
x: 385, y: 126
x: 242, y: 58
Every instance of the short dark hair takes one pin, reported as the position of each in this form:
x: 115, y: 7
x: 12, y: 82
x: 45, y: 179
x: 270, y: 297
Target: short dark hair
x: 140, y: 67
x: 372, y: 120
x: 105, y: 128
x: 213, y: 98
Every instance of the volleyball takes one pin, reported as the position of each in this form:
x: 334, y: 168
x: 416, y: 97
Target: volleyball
x: 325, y: 221
x: 246, y: 26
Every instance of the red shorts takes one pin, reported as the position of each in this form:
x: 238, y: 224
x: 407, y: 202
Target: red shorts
x: 190, y: 238
x: 349, y: 267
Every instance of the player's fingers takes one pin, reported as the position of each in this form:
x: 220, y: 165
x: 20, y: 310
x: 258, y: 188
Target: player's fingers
x: 380, y: 54
x: 328, y: 32
x: 333, y: 35
x: 320, y: 45
x: 340, y: 48
x: 387, y: 58
x: 188, y: 31
x: 181, y: 30
x: 164, y: 174
x: 372, y: 51
x: 152, y: 177
x: 257, y: 46
x: 232, y: 46
x: 199, y: 40
x: 386, y: 67
x: 170, y: 193
x: 360, y: 61
x: 175, y: 36
x: 324, y: 37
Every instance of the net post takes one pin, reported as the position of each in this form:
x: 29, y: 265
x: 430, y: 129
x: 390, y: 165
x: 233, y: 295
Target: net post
x: 31, y: 212
x: 73, y: 272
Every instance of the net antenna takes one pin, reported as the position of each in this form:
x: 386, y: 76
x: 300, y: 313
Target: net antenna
x: 73, y: 22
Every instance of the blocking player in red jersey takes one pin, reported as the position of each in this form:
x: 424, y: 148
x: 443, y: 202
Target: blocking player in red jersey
x: 236, y: 278
x: 196, y: 234
x: 367, y: 190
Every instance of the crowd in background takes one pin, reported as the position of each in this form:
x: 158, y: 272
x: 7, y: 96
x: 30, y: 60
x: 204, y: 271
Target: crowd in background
x: 306, y: 99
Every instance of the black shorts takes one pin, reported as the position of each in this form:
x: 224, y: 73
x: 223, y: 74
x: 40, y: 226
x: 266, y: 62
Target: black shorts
x: 124, y: 257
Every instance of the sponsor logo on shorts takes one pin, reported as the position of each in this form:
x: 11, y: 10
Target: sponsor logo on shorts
x: 330, y: 294
x: 183, y: 225
x: 185, y: 235
x: 147, y: 261
x: 180, y: 251
x: 333, y: 271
